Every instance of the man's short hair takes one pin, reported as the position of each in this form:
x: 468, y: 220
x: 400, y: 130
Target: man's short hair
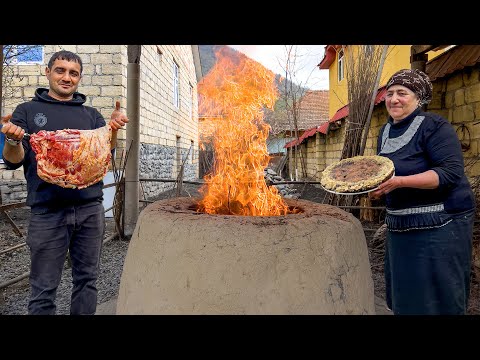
x: 65, y: 55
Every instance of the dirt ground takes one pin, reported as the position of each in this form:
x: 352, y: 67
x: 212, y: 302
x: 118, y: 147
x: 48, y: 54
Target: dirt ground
x: 8, y: 238
x: 307, y: 192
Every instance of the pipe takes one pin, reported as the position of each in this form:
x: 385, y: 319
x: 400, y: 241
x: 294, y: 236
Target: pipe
x: 133, y: 139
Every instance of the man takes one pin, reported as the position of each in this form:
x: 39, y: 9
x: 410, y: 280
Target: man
x: 61, y: 219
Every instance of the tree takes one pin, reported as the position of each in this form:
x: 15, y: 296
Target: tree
x: 364, y: 65
x: 292, y: 93
x: 9, y: 57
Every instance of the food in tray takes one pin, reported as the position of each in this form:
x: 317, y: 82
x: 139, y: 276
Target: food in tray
x: 357, y: 174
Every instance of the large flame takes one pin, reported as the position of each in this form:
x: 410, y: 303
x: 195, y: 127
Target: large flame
x: 238, y: 90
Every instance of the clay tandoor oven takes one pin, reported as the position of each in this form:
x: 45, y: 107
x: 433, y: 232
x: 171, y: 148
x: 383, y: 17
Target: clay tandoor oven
x: 181, y: 261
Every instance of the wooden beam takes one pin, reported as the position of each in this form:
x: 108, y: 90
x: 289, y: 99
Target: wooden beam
x: 421, y: 49
x: 10, y: 220
x: 12, y: 205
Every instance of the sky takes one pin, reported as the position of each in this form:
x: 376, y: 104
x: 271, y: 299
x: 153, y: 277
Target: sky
x: 306, y: 71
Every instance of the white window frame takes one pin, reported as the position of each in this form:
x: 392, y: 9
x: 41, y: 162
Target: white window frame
x: 191, y: 101
x: 176, y: 85
x: 341, y: 66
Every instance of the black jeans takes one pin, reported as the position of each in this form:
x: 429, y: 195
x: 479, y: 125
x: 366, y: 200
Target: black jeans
x: 79, y: 229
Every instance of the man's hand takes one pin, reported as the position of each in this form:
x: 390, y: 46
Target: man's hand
x: 10, y: 130
x: 12, y: 153
x: 118, y: 119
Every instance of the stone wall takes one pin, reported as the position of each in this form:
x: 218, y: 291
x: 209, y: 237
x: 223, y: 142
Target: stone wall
x: 319, y: 151
x: 13, y: 187
x: 159, y: 162
x: 457, y: 98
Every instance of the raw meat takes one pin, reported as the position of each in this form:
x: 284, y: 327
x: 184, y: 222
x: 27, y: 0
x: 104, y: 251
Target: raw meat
x: 72, y: 158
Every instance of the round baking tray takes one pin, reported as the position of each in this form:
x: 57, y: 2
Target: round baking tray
x: 354, y: 193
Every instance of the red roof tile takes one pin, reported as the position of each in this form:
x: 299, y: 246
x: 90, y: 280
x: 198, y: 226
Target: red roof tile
x: 340, y: 114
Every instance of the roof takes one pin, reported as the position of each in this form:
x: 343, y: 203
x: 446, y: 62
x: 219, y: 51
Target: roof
x: 313, y: 111
x: 307, y: 134
x: 340, y: 114
x: 329, y: 56
x: 452, y: 60
x: 313, y: 108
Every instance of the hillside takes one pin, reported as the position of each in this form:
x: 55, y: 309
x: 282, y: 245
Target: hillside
x: 207, y: 60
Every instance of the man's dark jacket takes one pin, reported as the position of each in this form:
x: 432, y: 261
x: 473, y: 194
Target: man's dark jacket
x: 46, y: 113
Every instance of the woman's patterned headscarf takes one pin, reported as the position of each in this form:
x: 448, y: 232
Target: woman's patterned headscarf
x: 415, y: 80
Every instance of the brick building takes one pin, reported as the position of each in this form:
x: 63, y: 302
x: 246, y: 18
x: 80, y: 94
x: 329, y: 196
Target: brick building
x: 168, y: 105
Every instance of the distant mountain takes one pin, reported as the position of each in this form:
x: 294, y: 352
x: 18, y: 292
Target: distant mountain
x: 208, y: 59
x: 276, y: 118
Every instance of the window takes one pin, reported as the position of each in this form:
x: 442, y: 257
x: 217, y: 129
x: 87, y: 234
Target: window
x: 341, y: 70
x: 176, y: 85
x: 23, y: 54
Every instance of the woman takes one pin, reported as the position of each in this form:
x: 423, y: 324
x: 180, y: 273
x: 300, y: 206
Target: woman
x: 430, y: 204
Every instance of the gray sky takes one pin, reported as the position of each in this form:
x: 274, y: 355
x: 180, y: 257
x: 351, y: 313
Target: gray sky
x: 306, y: 72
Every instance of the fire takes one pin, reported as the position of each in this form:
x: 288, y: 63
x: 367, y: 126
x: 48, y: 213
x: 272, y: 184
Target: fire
x: 238, y: 91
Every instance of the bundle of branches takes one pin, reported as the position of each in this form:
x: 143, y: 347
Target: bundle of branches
x: 119, y: 197
x: 376, y: 248
x: 364, y: 64
x: 363, y: 68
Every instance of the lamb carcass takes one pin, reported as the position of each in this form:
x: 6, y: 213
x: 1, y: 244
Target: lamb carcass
x: 72, y: 158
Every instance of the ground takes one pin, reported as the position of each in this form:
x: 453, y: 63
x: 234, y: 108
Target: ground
x: 307, y: 192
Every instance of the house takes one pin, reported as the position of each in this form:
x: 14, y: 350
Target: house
x: 454, y: 71
x: 168, y: 105
x: 313, y: 110
x: 313, y: 113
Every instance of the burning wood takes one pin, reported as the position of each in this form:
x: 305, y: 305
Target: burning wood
x: 239, y: 91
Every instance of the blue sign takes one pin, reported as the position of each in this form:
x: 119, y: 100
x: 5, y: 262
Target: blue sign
x: 2, y: 141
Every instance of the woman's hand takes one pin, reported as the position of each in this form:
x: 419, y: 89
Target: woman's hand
x: 387, y: 186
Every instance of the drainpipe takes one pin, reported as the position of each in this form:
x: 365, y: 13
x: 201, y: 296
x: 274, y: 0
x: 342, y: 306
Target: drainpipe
x: 133, y: 139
